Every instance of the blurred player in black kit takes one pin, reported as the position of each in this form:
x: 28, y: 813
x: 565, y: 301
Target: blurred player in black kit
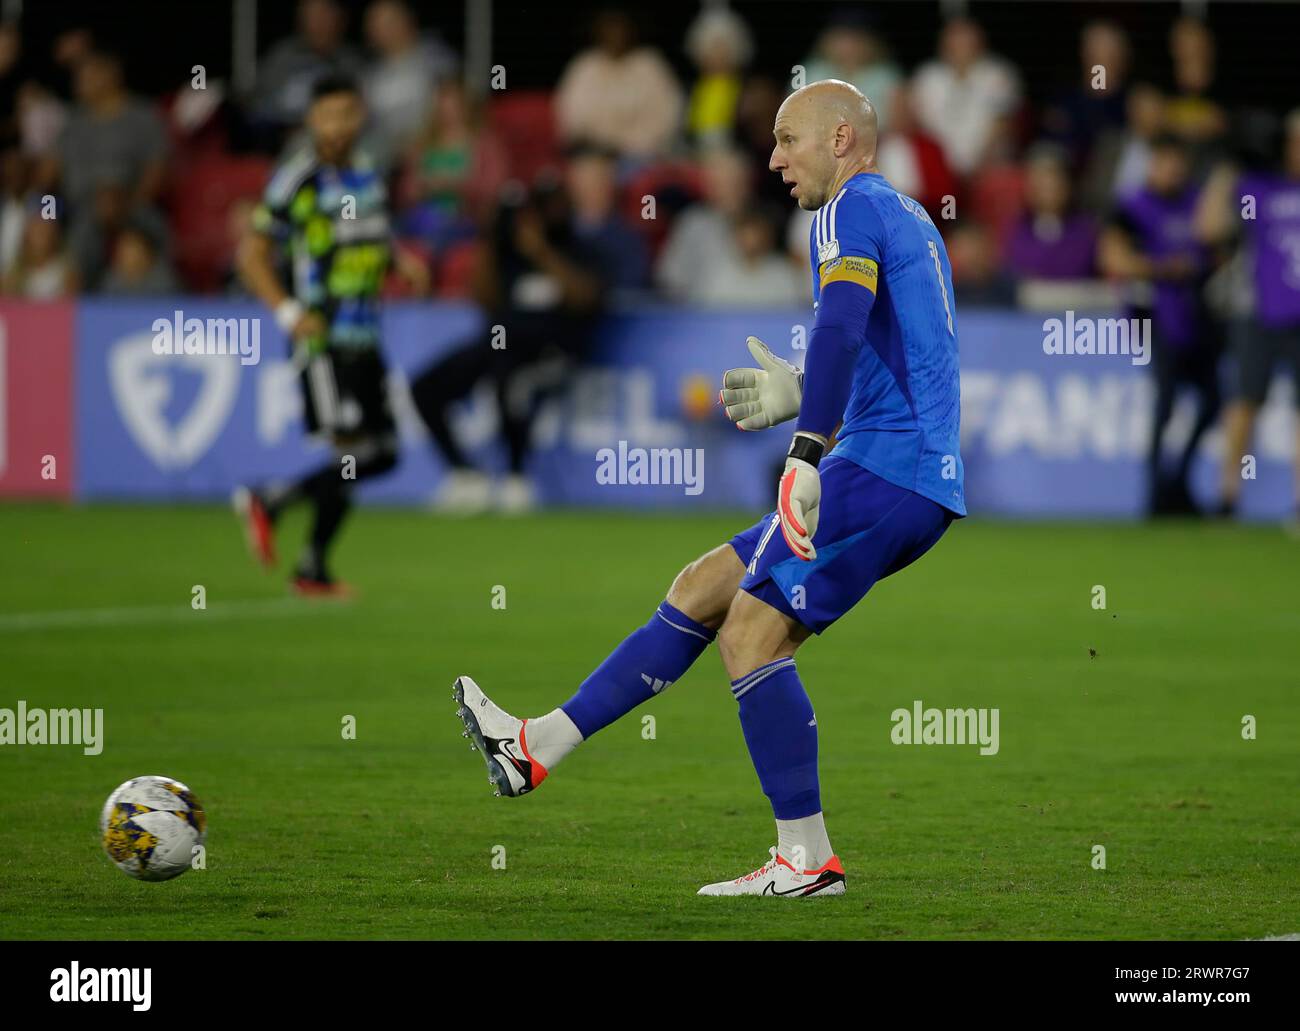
x: 326, y: 206
x: 542, y: 278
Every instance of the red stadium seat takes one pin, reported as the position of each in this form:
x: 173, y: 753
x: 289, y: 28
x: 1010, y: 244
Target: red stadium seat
x: 455, y: 276
x: 673, y: 185
x: 202, y: 197
x: 525, y: 124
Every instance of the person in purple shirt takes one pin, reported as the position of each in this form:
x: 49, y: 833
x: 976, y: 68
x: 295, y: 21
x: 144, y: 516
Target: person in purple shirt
x: 1266, y: 208
x: 1151, y: 241
x: 1051, y: 240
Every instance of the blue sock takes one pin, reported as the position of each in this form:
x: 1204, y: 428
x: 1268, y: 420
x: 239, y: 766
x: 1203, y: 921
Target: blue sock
x: 781, y: 732
x: 638, y: 669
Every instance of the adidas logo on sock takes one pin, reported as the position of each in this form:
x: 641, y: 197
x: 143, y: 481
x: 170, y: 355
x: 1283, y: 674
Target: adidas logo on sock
x: 654, y: 683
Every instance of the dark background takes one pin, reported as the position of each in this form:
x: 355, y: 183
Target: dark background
x: 162, y: 39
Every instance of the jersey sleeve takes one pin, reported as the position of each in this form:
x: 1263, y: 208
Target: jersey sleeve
x: 848, y: 242
x: 273, y: 215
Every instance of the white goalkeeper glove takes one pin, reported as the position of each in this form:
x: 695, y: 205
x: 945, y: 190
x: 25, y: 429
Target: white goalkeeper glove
x: 800, y: 494
x: 758, y: 398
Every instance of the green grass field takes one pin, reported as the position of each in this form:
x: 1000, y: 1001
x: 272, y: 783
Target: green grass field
x: 1138, y: 748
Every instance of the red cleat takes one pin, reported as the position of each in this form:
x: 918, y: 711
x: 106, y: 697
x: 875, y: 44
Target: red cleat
x: 309, y: 587
x: 258, y: 528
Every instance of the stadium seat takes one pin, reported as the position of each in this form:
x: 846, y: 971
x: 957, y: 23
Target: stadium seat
x: 674, y: 185
x: 202, y: 198
x: 525, y: 123
x: 455, y: 272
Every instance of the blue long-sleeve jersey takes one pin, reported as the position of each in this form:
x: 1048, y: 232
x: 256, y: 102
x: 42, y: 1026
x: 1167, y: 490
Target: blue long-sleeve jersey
x: 882, y: 290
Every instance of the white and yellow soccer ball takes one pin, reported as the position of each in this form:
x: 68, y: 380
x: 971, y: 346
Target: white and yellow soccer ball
x: 151, y: 826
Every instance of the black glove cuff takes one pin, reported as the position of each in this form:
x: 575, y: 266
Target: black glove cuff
x: 807, y: 449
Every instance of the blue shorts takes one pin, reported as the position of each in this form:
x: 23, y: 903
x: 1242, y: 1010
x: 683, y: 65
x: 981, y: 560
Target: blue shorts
x: 868, y: 529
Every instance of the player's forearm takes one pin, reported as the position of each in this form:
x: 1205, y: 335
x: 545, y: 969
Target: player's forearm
x: 1212, y: 220
x: 833, y: 349
x: 580, y: 290
x: 1118, y: 259
x: 257, y: 272
x: 827, y: 380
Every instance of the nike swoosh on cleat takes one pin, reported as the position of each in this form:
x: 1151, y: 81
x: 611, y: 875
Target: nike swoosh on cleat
x: 522, y: 766
x: 811, y: 889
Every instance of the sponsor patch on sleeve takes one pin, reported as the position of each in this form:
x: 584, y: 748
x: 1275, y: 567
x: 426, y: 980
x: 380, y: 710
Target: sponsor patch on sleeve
x: 862, y: 271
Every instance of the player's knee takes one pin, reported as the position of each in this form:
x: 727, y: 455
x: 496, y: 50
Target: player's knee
x: 704, y: 589
x: 745, y: 642
x: 755, y: 634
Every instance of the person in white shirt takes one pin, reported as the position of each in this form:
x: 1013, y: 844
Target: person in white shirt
x: 961, y: 95
x: 620, y: 95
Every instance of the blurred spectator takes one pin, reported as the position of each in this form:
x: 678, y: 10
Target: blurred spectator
x: 13, y: 206
x: 454, y: 171
x: 702, y: 235
x: 1151, y: 243
x: 848, y: 50
x: 977, y: 276
x: 1271, y: 337
x: 1193, y: 111
x: 591, y: 177
x: 239, y: 224
x: 111, y: 163
x: 618, y: 94
x: 402, y: 83
x: 41, y: 117
x: 760, y: 99
x: 720, y: 45
x: 912, y: 160
x: 1051, y: 240
x: 995, y: 193
x: 961, y: 96
x: 43, y: 270
x: 137, y: 267
x: 753, y: 274
x: 1119, y: 161
x: 798, y: 231
x: 69, y: 49
x: 1096, y: 104
x: 11, y: 78
x: 286, y: 74
x: 542, y: 285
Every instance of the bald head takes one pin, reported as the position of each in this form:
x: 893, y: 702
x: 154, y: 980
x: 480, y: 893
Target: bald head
x: 825, y: 132
x: 832, y: 103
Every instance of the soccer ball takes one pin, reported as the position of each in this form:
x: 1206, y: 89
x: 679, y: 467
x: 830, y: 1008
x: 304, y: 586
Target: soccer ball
x: 150, y: 826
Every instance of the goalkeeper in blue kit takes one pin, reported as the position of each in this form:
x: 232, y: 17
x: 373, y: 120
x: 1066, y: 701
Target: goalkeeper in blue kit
x: 881, y: 377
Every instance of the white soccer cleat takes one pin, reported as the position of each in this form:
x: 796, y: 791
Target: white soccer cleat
x: 501, y: 738
x: 779, y: 878
x: 463, y: 492
x: 515, y: 495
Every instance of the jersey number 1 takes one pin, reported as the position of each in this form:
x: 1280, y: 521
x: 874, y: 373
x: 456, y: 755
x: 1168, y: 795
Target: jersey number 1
x: 943, y: 290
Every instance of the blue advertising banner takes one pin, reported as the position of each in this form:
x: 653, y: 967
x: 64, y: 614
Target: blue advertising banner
x: 1042, y: 434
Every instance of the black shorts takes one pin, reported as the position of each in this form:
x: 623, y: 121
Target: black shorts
x: 1260, y: 349
x: 345, y: 393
